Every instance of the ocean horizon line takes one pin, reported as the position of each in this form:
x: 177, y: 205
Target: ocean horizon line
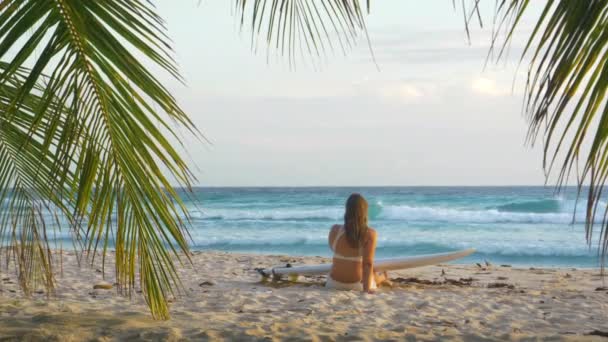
x: 377, y: 186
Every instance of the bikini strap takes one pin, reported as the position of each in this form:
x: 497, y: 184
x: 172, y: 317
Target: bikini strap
x: 341, y: 231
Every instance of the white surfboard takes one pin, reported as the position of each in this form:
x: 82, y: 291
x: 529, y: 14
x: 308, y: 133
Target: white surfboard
x: 389, y: 264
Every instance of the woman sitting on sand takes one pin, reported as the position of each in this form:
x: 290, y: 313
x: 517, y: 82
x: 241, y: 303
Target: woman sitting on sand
x: 354, y: 246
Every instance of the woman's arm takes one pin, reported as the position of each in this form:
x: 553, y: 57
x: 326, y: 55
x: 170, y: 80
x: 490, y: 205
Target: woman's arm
x: 368, y: 261
x: 331, y: 236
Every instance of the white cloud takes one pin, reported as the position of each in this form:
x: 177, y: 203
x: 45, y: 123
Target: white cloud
x: 486, y: 86
x: 404, y: 92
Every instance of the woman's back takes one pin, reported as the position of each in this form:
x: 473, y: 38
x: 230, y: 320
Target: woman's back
x: 347, y: 264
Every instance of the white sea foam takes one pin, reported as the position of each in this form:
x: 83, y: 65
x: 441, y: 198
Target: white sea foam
x: 395, y: 212
x: 411, y: 213
x: 326, y: 213
x: 404, y: 247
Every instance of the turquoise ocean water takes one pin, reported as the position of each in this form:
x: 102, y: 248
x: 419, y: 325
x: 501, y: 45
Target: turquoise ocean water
x: 525, y: 226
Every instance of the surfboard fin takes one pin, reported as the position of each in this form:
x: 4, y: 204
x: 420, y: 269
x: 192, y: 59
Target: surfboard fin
x: 267, y: 274
x: 263, y: 272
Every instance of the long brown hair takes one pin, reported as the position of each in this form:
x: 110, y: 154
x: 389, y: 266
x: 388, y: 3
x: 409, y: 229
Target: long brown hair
x: 355, y: 220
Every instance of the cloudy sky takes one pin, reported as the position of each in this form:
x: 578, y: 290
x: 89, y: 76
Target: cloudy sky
x: 431, y: 114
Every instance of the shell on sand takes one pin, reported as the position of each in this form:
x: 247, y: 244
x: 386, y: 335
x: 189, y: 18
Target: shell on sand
x: 102, y: 286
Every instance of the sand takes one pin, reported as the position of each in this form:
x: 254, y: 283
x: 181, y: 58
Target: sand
x: 225, y: 300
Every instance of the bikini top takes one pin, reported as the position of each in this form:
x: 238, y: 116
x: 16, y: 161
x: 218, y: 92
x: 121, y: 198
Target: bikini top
x: 337, y: 255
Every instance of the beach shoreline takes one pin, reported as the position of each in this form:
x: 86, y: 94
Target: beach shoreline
x: 224, y: 298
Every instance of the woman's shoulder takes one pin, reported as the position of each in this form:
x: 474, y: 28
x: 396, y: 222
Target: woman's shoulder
x: 334, y: 230
x: 371, y: 233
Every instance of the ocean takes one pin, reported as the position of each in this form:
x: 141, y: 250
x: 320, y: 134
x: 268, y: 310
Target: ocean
x: 520, y: 226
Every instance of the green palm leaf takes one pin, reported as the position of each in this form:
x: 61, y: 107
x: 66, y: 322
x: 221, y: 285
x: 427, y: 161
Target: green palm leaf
x: 80, y: 98
x: 566, y: 94
x: 28, y: 186
x: 305, y: 27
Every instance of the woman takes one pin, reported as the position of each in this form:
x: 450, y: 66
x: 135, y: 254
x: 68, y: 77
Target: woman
x: 354, y: 245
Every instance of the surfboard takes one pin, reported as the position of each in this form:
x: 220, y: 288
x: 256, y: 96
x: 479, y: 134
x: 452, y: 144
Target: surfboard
x: 389, y: 264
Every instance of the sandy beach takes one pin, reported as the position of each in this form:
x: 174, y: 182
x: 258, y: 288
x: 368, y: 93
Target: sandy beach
x: 226, y: 300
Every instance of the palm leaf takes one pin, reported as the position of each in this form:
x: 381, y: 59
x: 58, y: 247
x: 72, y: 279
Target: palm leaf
x: 28, y: 187
x: 566, y: 95
x: 77, y: 74
x: 304, y: 27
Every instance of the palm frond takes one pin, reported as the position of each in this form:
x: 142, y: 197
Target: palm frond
x: 304, y: 27
x: 95, y: 120
x: 566, y: 94
x: 27, y: 189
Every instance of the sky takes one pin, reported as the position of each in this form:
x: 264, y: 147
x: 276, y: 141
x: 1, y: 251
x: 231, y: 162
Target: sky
x: 429, y: 113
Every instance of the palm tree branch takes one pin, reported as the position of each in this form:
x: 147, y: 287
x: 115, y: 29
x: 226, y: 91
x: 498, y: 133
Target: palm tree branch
x: 108, y: 98
x: 566, y: 94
